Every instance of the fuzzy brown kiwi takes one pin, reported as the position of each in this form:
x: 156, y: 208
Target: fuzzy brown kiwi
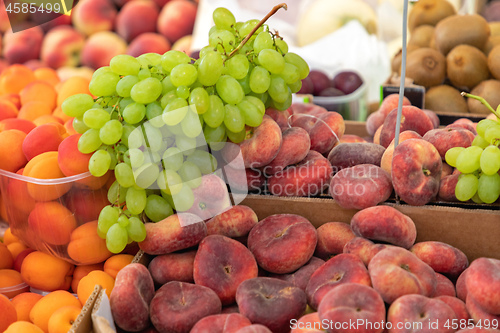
x: 426, y: 66
x: 490, y: 44
x: 445, y: 98
x: 466, y: 67
x: 489, y: 91
x: 422, y: 35
x: 461, y: 29
x: 396, y: 60
x: 429, y: 12
x: 494, y: 62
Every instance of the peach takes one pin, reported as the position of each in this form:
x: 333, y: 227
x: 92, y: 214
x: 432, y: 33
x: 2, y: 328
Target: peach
x: 360, y: 186
x: 386, y: 160
x: 353, y: 302
x: 62, y: 46
x: 280, y: 117
x: 177, y: 266
x: 282, y: 243
x: 92, y: 16
x: 222, y: 264
x: 211, y: 197
x: 350, y: 138
x: 176, y: 19
x: 101, y: 47
x: 447, y: 186
x: 294, y: 148
x: 254, y: 328
x: 46, y: 272
x: 342, y: 268
x: 301, y: 276
x: 14, y: 123
x: 50, y: 20
x: 386, y: 224
x: 395, y: 272
x: 305, y: 115
x: 22, y: 46
x: 131, y: 297
x: 309, y: 177
x: 86, y: 247
x: 444, y: 286
x: 184, y: 44
x: 221, y: 323
x: 478, y: 314
x: 173, y: 234
x: 461, y: 286
x: 446, y: 138
x: 270, y: 302
x: 332, y: 237
x: 364, y: 248
x: 457, y: 305
x: 177, y: 306
x: 416, y: 171
x: 346, y: 155
x: 390, y: 102
x: 433, y: 117
x: 43, y: 138
x: 374, y: 121
x: 483, y: 283
x: 235, y: 222
x: 52, y: 222
x: 447, y: 170
x: 326, y: 132
x: 86, y: 204
x: 10, y: 145
x: 442, y: 257
x: 7, y: 109
x: 136, y: 18
x: 148, y: 42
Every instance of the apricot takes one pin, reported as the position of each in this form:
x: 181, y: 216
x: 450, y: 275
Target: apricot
x: 40, y: 91
x: 3, y: 209
x: 11, y: 142
x: 23, y: 327
x: 9, y: 237
x: 63, y: 318
x: 86, y: 247
x: 81, y: 271
x: 19, y: 124
x: 86, y: 204
x: 14, y: 78
x: 12, y: 97
x: 7, y: 109
x: 15, y: 248
x: 52, y: 222
x: 6, y: 259
x: 8, y: 311
x: 18, y: 197
x: 116, y: 262
x: 23, y: 303
x: 48, y: 75
x: 43, y: 309
x: 47, y: 119
x: 58, y: 112
x: 71, y: 160
x: 88, y: 283
x: 71, y: 86
x: 33, y: 109
x: 46, y: 272
x: 43, y: 138
x: 10, y: 278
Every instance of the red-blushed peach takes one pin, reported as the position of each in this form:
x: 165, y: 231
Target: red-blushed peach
x: 342, y: 268
x: 478, y: 314
x: 457, y: 305
x: 100, y: 48
x: 131, y: 296
x: 295, y: 145
x: 446, y: 138
x: 395, y: 272
x: 46, y: 137
x: 442, y: 257
x: 184, y: 44
x: 308, y: 323
x: 461, y: 287
x: 22, y: 46
x: 148, y: 42
x: 305, y: 115
x: 386, y: 224
x: 11, y: 145
x: 176, y: 266
x: 376, y: 136
x: 326, y: 132
x: 301, y: 277
x: 52, y: 222
x: 447, y: 187
x: 447, y: 170
x: 433, y: 117
x: 136, y: 18
x: 416, y: 171
x: 353, y: 302
x: 23, y: 125
x: 235, y: 222
x: 253, y: 180
x: 92, y: 16
x: 222, y: 264
x: 351, y: 138
x: 332, y: 237
x: 483, y: 283
x: 470, y: 126
x: 211, y: 197
x: 390, y: 102
x: 173, y: 233
x: 413, y: 118
x: 86, y: 204
x: 270, y: 302
x: 176, y: 19
x: 346, y: 155
x: 444, y: 286
x: 282, y: 243
x: 386, y: 160
x: 309, y: 177
x: 254, y: 328
x: 280, y: 117
x: 418, y: 313
x: 178, y: 306
x: 221, y: 323
x: 374, y: 121
x: 364, y: 248
x: 62, y: 46
x: 360, y: 186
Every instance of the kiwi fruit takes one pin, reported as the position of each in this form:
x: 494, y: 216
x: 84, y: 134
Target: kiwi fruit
x: 421, y: 36
x: 488, y: 90
x: 445, y: 98
x: 429, y: 12
x: 466, y: 66
x: 494, y: 62
x: 426, y: 66
x: 396, y: 60
x: 494, y: 28
x: 490, y: 44
x: 454, y: 30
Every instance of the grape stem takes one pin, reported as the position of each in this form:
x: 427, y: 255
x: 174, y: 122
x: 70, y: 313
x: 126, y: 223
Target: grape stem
x: 261, y: 22
x: 483, y: 101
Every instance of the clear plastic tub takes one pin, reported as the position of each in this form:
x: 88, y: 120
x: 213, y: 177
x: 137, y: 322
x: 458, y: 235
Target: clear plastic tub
x: 12, y: 291
x: 352, y: 107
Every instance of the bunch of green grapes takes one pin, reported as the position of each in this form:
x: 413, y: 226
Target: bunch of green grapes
x: 155, y: 114
x: 479, y: 164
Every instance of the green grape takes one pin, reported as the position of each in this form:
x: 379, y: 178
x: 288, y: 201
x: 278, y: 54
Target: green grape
x: 125, y: 101
x: 229, y: 90
x: 116, y: 238
x: 191, y: 125
x: 124, y: 175
x: 167, y: 85
x: 95, y: 118
x: 248, y: 26
x: 182, y: 92
x: 124, y: 64
x: 144, y: 73
x: 492, y: 134
x: 157, y: 208
x: 127, y: 130
x: 210, y: 68
x: 204, y: 160
x: 295, y: 86
x: 183, y: 200
x: 107, y: 217
x: 126, y: 83
x: 290, y: 74
x: 175, y: 111
x: 99, y: 163
x: 263, y: 41
x: 104, y: 84
x: 245, y: 83
x: 101, y: 70
x: 452, y: 154
x: 199, y: 98
x: 476, y: 199
x: 146, y: 91
x: 146, y: 175
x: 257, y: 103
x: 281, y: 45
x: 204, y: 50
x: 136, y: 229
x: 151, y: 157
x: 172, y: 159
x: 259, y: 80
x: 237, y: 66
x: 190, y: 174
x: 151, y: 58
x: 489, y: 188
x: 167, y: 98
x: 233, y: 119
x: 490, y: 160
x: 223, y: 18
x: 76, y: 105
x: 154, y: 113
x: 135, y: 200
x: 480, y: 142
x: 172, y: 58
x: 134, y: 157
x: 215, y: 113
x: 466, y: 187
x: 286, y: 104
x: 169, y: 182
x: 278, y: 90
x: 250, y: 112
x: 123, y: 221
x: 236, y: 137
x: 215, y: 137
x: 271, y: 60
x: 134, y: 113
x: 153, y: 137
x: 223, y: 40
x: 185, y: 144
x: 113, y: 155
x: 469, y: 159
x: 117, y: 193
x: 301, y: 64
x: 89, y: 141
x: 483, y: 125
x: 79, y: 126
x: 183, y: 75
x: 111, y: 132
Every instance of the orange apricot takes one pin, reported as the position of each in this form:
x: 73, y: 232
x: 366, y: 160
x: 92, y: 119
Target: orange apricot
x: 33, y: 109
x: 63, y: 318
x: 68, y: 124
x: 11, y: 142
x: 47, y: 119
x: 46, y: 272
x: 43, y: 138
x: 8, y: 311
x: 14, y: 78
x: 115, y: 263
x: 58, y: 112
x: 43, y: 309
x: 23, y: 327
x: 86, y: 247
x: 9, y: 237
x: 71, y: 160
x: 71, y: 86
x: 15, y: 123
x: 48, y: 75
x: 23, y: 303
x: 14, y: 98
x: 40, y: 91
x: 88, y: 283
x: 6, y: 259
x: 52, y: 222
x: 81, y: 271
x: 18, y: 197
x: 3, y: 210
x: 15, y: 248
x: 7, y: 109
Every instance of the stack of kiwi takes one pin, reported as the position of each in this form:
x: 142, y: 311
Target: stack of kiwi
x: 448, y: 53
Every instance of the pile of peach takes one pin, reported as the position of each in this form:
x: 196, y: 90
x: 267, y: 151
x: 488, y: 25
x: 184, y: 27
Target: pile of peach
x: 280, y: 274
x: 65, y: 287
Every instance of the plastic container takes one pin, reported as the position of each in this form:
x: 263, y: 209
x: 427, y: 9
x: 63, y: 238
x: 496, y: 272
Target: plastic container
x: 43, y: 213
x: 352, y: 107
x: 12, y: 291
